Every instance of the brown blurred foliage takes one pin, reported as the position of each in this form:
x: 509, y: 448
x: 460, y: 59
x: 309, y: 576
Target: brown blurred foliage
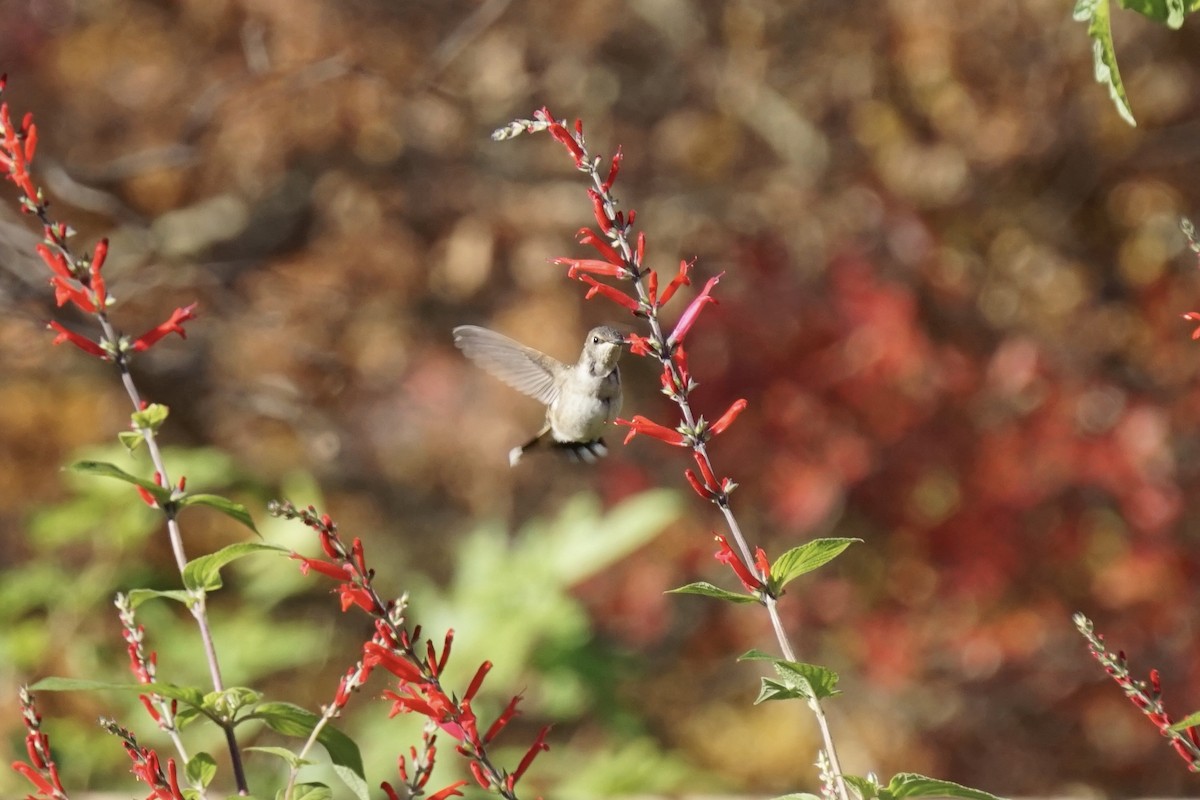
x: 952, y: 296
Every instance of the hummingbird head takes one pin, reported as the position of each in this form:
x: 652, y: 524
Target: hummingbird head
x: 602, y: 349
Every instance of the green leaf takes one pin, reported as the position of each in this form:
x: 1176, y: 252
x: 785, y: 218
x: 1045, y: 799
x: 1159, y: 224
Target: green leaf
x: 1168, y: 12
x: 131, y: 439
x: 312, y: 791
x: 205, y: 572
x: 152, y: 416
x: 797, y: 796
x: 796, y: 679
x: 139, y: 596
x: 353, y: 781
x: 1104, y: 56
x: 107, y: 470
x: 184, y: 694
x: 225, y: 704
x: 1190, y: 721
x: 868, y: 788
x: 909, y: 785
x: 235, y: 511
x: 708, y: 590
x: 291, y: 758
x: 201, y: 769
x: 291, y: 720
x: 806, y: 558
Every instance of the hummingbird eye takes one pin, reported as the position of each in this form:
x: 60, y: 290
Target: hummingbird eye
x: 595, y: 340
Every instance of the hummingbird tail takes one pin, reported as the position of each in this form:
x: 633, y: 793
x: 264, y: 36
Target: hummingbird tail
x: 584, y: 452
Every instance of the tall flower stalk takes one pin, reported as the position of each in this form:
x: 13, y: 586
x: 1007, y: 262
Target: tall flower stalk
x: 622, y: 254
x: 78, y: 279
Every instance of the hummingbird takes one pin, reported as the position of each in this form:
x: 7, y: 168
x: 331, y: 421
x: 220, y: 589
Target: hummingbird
x: 580, y: 398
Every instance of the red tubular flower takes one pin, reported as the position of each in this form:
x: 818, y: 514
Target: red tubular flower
x: 505, y: 717
x: 56, y: 261
x: 480, y: 777
x: 706, y: 470
x: 64, y: 292
x: 680, y: 279
x: 39, y: 782
x: 559, y: 132
x: 402, y: 704
x: 588, y: 236
x: 762, y: 564
x: 150, y: 709
x: 323, y: 567
x: 639, y: 345
x: 477, y: 681
x: 612, y: 293
x: 592, y: 265
x: 431, y: 661
x: 539, y: 744
x: 31, y: 140
x: 640, y: 424
x: 696, y: 485
x: 1193, y: 316
x: 450, y: 791
x: 96, y: 279
x: 375, y: 655
x: 727, y: 556
x: 688, y: 318
x: 356, y: 552
x: 449, y: 640
x: 652, y: 289
x: 613, y: 169
x: 727, y: 418
x: 356, y: 596
x: 83, y: 343
x: 172, y: 325
x: 599, y: 208
x: 147, y: 498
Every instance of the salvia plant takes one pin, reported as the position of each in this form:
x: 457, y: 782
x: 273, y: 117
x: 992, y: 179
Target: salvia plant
x: 615, y: 268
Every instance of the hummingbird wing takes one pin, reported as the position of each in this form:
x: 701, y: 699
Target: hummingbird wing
x: 523, y: 368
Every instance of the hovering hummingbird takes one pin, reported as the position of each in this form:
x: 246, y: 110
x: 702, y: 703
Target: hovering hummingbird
x: 580, y: 398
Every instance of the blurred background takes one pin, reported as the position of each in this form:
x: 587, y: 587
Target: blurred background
x: 952, y: 296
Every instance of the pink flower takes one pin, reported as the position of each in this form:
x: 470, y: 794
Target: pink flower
x: 688, y: 319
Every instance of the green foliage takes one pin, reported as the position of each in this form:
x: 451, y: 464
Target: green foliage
x: 235, y: 511
x: 201, y: 769
x: 796, y: 680
x: 107, y: 470
x: 534, y: 624
x: 1097, y: 15
x: 806, y: 558
x: 709, y: 590
x: 910, y: 786
x: 294, y: 721
x: 1190, y: 721
x: 205, y: 572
